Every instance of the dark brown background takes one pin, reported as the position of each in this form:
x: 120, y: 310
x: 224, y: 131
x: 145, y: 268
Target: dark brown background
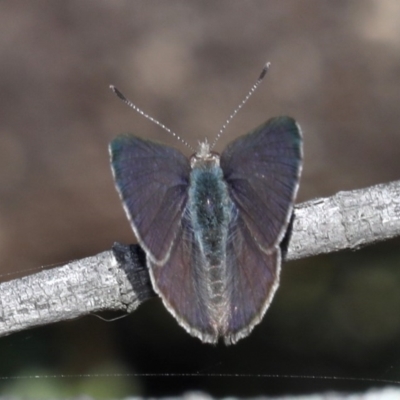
x: 335, y: 68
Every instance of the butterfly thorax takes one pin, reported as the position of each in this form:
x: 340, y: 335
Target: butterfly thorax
x: 210, y: 209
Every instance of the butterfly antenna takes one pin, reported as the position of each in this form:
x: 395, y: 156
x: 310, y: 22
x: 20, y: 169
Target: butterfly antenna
x: 147, y: 116
x: 243, y: 102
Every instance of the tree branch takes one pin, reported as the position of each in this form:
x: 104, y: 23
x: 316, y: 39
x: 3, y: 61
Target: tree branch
x: 118, y: 279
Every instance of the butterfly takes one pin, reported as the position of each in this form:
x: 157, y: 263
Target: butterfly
x: 211, y: 224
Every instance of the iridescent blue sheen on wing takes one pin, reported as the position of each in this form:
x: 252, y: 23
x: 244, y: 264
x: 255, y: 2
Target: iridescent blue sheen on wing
x: 152, y: 180
x: 262, y: 170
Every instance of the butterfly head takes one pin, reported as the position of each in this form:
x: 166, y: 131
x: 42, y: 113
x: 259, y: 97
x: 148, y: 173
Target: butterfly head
x: 204, y: 156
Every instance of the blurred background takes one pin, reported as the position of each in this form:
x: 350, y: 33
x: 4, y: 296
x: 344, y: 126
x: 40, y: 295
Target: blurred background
x: 335, y: 68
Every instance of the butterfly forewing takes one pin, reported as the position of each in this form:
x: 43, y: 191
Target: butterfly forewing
x: 262, y: 171
x: 152, y: 181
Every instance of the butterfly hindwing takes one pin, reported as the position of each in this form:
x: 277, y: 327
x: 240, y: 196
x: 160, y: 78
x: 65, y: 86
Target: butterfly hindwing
x: 252, y: 281
x: 181, y: 284
x: 152, y: 180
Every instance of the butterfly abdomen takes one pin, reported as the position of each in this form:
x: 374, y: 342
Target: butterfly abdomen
x: 211, y: 211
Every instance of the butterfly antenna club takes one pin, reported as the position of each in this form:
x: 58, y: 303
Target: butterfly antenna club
x: 147, y: 116
x: 242, y: 103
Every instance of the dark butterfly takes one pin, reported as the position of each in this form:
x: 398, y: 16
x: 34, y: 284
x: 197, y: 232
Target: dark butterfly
x: 211, y: 225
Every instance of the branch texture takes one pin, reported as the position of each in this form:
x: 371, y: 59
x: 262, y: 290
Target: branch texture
x: 347, y: 220
x: 118, y: 279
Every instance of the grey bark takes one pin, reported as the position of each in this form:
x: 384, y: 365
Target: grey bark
x: 118, y: 279
x: 347, y: 220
